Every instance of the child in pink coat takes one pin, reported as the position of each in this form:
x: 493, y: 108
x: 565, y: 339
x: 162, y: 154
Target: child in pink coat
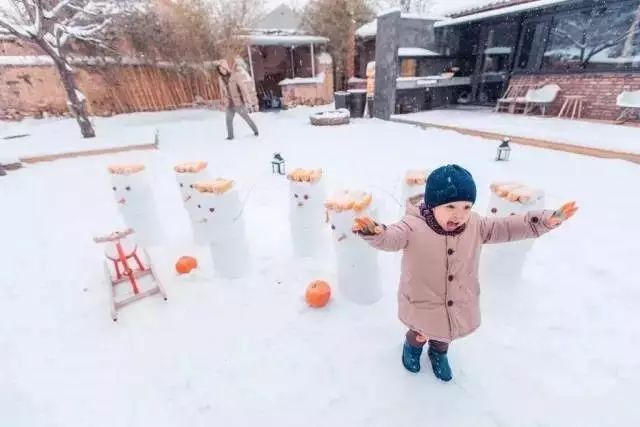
x: 441, y: 239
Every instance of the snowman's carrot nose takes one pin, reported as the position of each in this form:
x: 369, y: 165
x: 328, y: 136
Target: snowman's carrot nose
x: 122, y: 201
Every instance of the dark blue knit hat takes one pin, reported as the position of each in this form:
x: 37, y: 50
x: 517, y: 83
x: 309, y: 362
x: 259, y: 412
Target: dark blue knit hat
x: 450, y: 183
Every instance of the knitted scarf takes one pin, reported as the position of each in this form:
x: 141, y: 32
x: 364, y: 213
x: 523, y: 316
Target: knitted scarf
x: 430, y: 219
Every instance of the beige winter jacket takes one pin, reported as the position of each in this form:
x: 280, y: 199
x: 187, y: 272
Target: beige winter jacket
x: 239, y: 88
x: 439, y: 288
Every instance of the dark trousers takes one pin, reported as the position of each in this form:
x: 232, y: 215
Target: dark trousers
x: 242, y: 111
x: 439, y: 346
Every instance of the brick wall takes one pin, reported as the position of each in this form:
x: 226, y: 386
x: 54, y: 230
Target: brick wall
x: 37, y: 90
x: 600, y: 89
x: 311, y: 93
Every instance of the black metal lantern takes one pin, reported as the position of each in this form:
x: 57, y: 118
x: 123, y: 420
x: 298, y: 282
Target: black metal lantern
x: 504, y: 150
x: 277, y: 164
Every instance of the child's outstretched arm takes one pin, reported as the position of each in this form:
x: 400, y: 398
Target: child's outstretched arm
x: 530, y: 225
x: 391, y: 238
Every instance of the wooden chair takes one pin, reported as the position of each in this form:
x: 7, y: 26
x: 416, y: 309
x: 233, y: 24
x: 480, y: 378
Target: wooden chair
x: 513, y: 98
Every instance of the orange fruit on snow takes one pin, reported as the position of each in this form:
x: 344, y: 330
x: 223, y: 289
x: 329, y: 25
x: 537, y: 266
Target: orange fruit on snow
x: 185, y: 264
x: 318, y: 293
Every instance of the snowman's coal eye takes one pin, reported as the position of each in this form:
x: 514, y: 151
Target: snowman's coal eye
x: 199, y: 206
x: 191, y: 186
x: 181, y: 185
x: 306, y: 197
x: 295, y: 195
x: 333, y: 227
x: 128, y: 188
x: 494, y: 210
x: 212, y: 209
x: 114, y: 188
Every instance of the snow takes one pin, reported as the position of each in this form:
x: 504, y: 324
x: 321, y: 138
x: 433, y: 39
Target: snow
x: 80, y: 95
x: 416, y: 51
x: 581, y: 133
x: 26, y: 60
x: 356, y: 80
x: 517, y: 8
x: 497, y: 50
x: 319, y: 79
x: 558, y: 348
x: 368, y: 30
x: 266, y: 40
x: 112, y: 132
x: 371, y: 28
x: 325, y: 59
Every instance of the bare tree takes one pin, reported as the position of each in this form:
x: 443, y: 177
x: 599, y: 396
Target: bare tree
x: 591, y: 33
x: 420, y: 7
x: 53, y: 25
x: 338, y: 20
x: 231, y: 19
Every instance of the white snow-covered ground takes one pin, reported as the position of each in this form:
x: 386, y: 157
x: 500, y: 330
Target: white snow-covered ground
x: 55, y: 135
x: 558, y: 348
x: 624, y: 139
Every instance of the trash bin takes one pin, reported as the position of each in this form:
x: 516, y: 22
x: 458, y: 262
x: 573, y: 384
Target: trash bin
x: 357, y: 102
x: 341, y: 100
x: 369, y: 107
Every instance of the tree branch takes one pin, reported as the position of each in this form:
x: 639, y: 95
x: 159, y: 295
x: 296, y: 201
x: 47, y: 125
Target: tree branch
x: 606, y: 45
x: 568, y: 36
x: 50, y: 14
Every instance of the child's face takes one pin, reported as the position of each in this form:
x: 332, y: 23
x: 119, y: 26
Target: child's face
x: 452, y: 215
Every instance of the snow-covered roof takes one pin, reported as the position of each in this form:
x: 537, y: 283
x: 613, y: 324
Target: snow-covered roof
x: 319, y: 79
x: 465, y: 7
x: 371, y: 28
x: 517, y: 8
x: 266, y: 40
x: 282, y: 17
x: 416, y: 51
x: 498, y: 50
x: 368, y: 30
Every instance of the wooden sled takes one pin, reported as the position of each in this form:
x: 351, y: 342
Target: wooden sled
x: 122, y: 253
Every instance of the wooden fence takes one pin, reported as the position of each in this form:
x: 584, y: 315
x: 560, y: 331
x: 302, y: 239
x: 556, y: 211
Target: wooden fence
x: 136, y: 88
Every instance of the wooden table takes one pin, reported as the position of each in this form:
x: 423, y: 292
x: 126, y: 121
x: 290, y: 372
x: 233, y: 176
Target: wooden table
x: 572, y: 103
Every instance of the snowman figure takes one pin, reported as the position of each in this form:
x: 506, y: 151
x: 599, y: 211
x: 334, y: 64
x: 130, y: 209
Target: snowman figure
x: 136, y: 203
x: 413, y: 186
x: 510, y: 198
x: 187, y: 175
x: 356, y: 262
x: 306, y: 211
x: 218, y: 210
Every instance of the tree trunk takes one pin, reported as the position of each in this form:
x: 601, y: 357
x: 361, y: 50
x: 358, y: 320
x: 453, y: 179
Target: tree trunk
x: 77, y: 106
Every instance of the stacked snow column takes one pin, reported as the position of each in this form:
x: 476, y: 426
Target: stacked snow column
x: 356, y: 262
x: 187, y: 175
x: 219, y: 210
x: 413, y: 186
x: 136, y: 203
x: 507, y: 260
x: 306, y: 211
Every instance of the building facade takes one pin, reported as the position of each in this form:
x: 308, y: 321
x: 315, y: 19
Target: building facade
x: 589, y: 48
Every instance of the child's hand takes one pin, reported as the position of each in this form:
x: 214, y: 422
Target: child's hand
x: 565, y: 212
x: 366, y: 226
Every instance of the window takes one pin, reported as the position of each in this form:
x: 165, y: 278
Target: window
x: 499, y: 43
x: 532, y: 41
x: 408, y: 68
x: 599, y: 38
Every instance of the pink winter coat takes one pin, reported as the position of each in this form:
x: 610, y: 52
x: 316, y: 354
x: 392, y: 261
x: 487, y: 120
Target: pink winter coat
x: 439, y: 288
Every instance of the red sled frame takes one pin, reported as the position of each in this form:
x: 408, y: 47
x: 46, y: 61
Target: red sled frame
x: 124, y: 272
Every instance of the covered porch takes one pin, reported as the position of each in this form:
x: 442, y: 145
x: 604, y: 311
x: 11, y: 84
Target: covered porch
x: 279, y: 60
